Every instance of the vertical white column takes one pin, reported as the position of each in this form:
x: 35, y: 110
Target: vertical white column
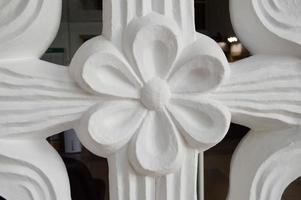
x: 126, y: 184
x: 118, y: 13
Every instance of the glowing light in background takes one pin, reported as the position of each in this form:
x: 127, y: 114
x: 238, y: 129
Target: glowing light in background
x: 232, y: 39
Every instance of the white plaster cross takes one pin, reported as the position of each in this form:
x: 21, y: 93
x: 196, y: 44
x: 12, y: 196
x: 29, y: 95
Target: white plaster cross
x: 150, y: 94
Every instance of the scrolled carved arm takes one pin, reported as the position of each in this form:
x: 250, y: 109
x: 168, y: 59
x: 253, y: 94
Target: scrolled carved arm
x: 264, y: 94
x: 37, y: 99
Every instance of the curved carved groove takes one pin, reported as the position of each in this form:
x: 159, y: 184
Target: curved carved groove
x: 264, y: 92
x: 38, y: 98
x: 31, y: 181
x: 264, y: 164
x: 17, y: 15
x: 282, y: 17
x: 268, y: 26
x: 22, y: 22
x: 25, y: 175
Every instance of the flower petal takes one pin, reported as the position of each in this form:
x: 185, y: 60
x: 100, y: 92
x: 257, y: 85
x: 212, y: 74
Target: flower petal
x: 106, y: 129
x: 203, y: 123
x: 201, y: 67
x: 152, y: 43
x: 100, y: 68
x: 157, y: 149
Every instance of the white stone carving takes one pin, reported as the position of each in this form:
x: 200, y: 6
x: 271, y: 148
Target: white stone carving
x: 264, y: 94
x: 265, y: 164
x: 149, y: 94
x: 282, y: 17
x: 31, y: 169
x: 37, y: 99
x: 27, y: 23
x: 154, y: 96
x: 268, y: 26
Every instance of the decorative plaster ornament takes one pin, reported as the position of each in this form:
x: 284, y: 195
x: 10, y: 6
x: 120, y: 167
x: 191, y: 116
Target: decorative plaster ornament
x: 282, y: 17
x: 268, y: 26
x: 156, y: 96
x: 264, y: 94
x: 150, y: 94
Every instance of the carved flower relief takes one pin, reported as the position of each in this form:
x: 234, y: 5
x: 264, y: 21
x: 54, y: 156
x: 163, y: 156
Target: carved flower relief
x: 157, y: 95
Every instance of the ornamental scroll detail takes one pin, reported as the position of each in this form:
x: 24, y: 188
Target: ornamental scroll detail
x: 150, y: 94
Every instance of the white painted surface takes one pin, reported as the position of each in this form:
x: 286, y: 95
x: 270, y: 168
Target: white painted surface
x: 265, y: 164
x: 259, y: 29
x: 149, y: 95
x: 156, y: 83
x: 264, y: 94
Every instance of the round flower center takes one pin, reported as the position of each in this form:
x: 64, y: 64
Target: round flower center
x: 155, y: 94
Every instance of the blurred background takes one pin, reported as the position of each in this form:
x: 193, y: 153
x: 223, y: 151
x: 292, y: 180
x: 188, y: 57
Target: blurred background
x: 82, y: 20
